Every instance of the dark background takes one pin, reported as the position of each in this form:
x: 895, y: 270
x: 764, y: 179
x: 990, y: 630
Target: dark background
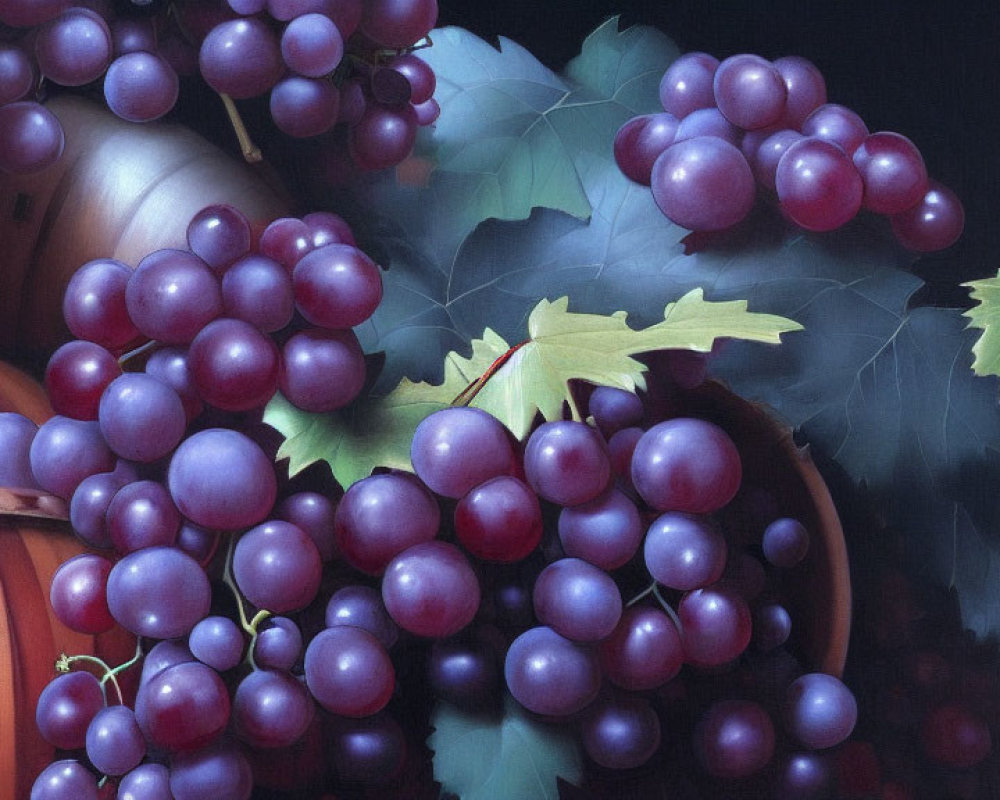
x: 928, y: 70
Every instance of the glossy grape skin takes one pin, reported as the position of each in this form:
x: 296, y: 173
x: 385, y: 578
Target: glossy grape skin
x: 644, y: 651
x: 369, y: 751
x: 686, y: 84
x: 142, y: 514
x: 64, y: 779
x: 158, y: 592
x: 115, y: 744
x: 936, y: 222
x: 820, y: 711
x: 621, y: 731
x: 703, y: 184
x: 278, y: 644
x: 148, y: 781
x: 458, y: 448
x: 64, y: 451
x: 548, y: 674
x: 183, y: 707
x: 17, y: 73
x: 218, y: 642
x: 271, y: 709
x: 716, y: 623
x: 222, y: 480
x: 258, y: 290
x: 326, y: 227
x: 362, y: 607
x: 465, y: 673
x: 142, y: 418
x: 684, y: 551
x: 749, y: 91
x: 241, y: 58
x: 837, y: 124
x: 707, y: 122
x: 94, y: 304
x: 234, y: 366
x: 772, y: 626
x: 383, y: 136
x: 686, y: 464
x: 314, y: 513
x: 349, y: 672
x: 16, y: 435
x: 75, y: 377
x: 65, y: 708
x: 577, y: 600
x: 567, y: 462
x: 336, y: 286
x: 893, y: 172
x: 277, y: 567
x: 219, y: 771
x: 418, y: 74
x: 286, y: 240
x: 304, y: 107
x: 162, y: 655
x: 818, y: 186
x: 312, y: 45
x: 955, y: 736
x: 431, y: 590
x: 77, y: 593
x: 74, y: 48
x: 613, y: 409
x: 219, y: 234
x: 380, y: 516
x: 605, y: 531
x: 785, y: 542
x: 322, y: 370
x: 765, y: 158
x: 398, y: 23
x: 734, y: 739
x: 806, y: 89
x: 141, y: 86
x: 170, y: 365
x: 804, y: 776
x: 639, y: 142
x: 499, y: 520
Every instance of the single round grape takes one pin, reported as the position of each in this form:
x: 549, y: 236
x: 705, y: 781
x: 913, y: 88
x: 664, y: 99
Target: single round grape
x: 172, y: 295
x: 684, y: 551
x: 549, y: 674
x: 703, y: 184
x: 577, y: 600
x: 349, y: 672
x: 465, y: 673
x: 639, y: 142
x: 65, y: 779
x: 687, y: 84
x: 955, y: 736
x: 460, y: 447
x: 311, y: 45
x: 171, y: 366
x: 820, y: 711
x: 220, y: 479
x: 380, y: 516
x: 77, y: 374
x: 304, y: 107
x: 337, y: 286
x: 64, y: 451
x: 605, y: 531
x: 621, y: 731
x: 613, y: 409
x: 321, y: 370
x: 132, y: 34
x: 17, y: 73
x: 241, y: 58
x: 936, y: 222
x: 765, y: 158
x: 818, y: 186
x: 271, y: 709
x: 94, y: 304
x: 893, y: 172
x: 707, y: 122
x: 427, y: 112
x: 219, y: 771
x: 142, y: 514
x: 218, y: 642
x: 383, y: 136
x: 77, y: 593
x: 140, y: 86
x: 566, y: 462
x: 258, y: 290
x: 785, y: 542
x: 644, y: 651
x: 370, y: 751
x: 328, y: 228
x: 749, y: 91
x: 429, y: 589
x: 65, y: 708
x: 804, y: 776
x: 31, y: 138
x: 277, y: 567
x: 278, y: 644
x: 312, y: 512
x: 162, y: 655
x: 398, y: 23
x: 716, y: 625
x: 219, y: 234
x: 418, y: 74
x: 142, y: 418
x: 74, y: 48
x: 183, y: 707
x: 115, y: 744
x: 362, y: 607
x: 148, y: 781
x: 772, y: 626
x: 734, y: 739
x: 835, y: 123
x: 158, y: 592
x: 686, y: 464
x: 499, y: 520
x: 234, y: 366
x: 806, y: 89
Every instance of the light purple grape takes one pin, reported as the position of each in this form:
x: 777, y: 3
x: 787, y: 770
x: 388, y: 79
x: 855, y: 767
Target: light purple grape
x: 349, y: 672
x: 17, y: 73
x: 221, y: 480
x: 272, y: 709
x: 322, y: 370
x: 362, y: 607
x: 77, y: 374
x: 703, y: 184
x: 31, y: 138
x: 707, y: 122
x: 311, y: 45
x: 141, y: 418
x: 305, y: 107
x: 162, y: 655
x: 548, y: 674
x: 621, y: 731
x: 141, y: 86
x: 65, y: 779
x: 734, y: 739
x: 577, y: 600
x: 398, y: 23
x: 749, y: 91
x: 566, y: 462
x: 258, y: 290
x: 614, y: 409
x: 94, y: 304
x: 65, y: 708
x: 820, y: 711
x: 838, y: 124
x: 158, y: 592
x: 893, y: 172
x: 716, y: 625
x: 785, y: 542
x: 219, y: 234
x: 383, y: 136
x: 64, y: 451
x: 170, y: 366
x: 172, y: 295
x: 74, y: 48
x: 115, y: 744
x: 644, y: 651
x: 141, y: 515
x: 148, y: 781
x: 687, y: 84
x: 427, y: 112
x: 278, y: 644
x: 684, y: 551
x: 197, y: 542
x: 218, y: 642
x: 605, y: 531
x: 220, y: 771
x: 621, y: 446
x: 764, y: 161
x: 418, y: 74
x: 277, y: 567
x: 806, y: 89
x: 328, y: 228
x: 818, y: 186
x: 16, y: 435
x: 337, y: 286
x: 936, y: 222
x: 241, y: 58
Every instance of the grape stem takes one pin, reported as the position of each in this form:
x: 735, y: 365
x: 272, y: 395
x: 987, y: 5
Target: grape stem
x: 251, y: 153
x: 468, y: 394
x: 135, y: 352
x: 249, y: 625
x: 65, y: 663
x: 654, y: 590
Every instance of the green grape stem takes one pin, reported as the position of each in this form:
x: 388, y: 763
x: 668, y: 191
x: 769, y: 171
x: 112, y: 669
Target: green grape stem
x: 250, y: 626
x: 108, y: 673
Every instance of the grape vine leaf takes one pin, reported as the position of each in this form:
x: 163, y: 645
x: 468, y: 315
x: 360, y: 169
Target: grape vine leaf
x: 986, y: 316
x: 511, y: 757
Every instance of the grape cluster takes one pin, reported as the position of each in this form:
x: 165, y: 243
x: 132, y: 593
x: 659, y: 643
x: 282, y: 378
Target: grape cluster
x: 745, y: 126
x: 323, y: 62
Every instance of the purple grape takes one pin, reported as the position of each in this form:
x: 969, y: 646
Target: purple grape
x: 78, y: 593
x: 277, y: 567
x: 64, y: 451
x: 17, y: 73
x: 218, y: 642
x: 197, y: 542
x: 771, y: 627
x: 548, y: 674
x: 141, y: 515
x: 785, y: 542
x: 132, y: 34
x: 183, y: 707
x: 304, y: 107
x: 148, y: 781
x: 158, y: 592
x: 621, y: 446
x: 606, y: 531
x: 313, y: 513
x: 337, y: 286
x: 818, y: 185
x: 418, y: 74
x: 362, y: 607
x: 734, y: 739
x: 621, y: 731
x: 431, y: 590
x: 765, y: 158
x: 684, y: 551
x: 577, y: 600
x: 234, y: 366
x: 219, y: 234
x: 708, y: 122
x: 466, y: 674
x: 427, y: 112
x: 141, y: 418
x: 220, y: 771
x: 703, y: 183
x: 31, y: 138
x: 65, y: 779
x: 349, y: 672
x: 77, y: 374
x: 567, y: 462
x: 353, y: 102
x: 162, y: 655
x: 820, y: 711
x: 286, y: 240
x: 220, y: 479
x: 322, y: 370
x: 687, y: 84
x: 749, y: 91
x: 74, y: 48
x: 369, y: 751
x: 383, y: 136
x: 837, y: 124
x: 499, y: 520
x: 94, y: 304
x: 278, y: 644
x: 388, y: 87
x: 716, y: 625
x: 936, y: 222
x: 258, y: 290
x: 806, y: 89
x: 398, y: 23
x: 140, y: 86
x: 271, y: 709
x: 311, y: 45
x: 115, y: 744
x: 170, y: 365
x: 804, y: 776
x: 16, y: 435
x: 328, y: 228
x: 644, y: 651
x: 640, y: 141
x: 65, y: 708
x: 241, y: 58
x: 893, y: 172
x: 458, y: 448
x: 614, y: 409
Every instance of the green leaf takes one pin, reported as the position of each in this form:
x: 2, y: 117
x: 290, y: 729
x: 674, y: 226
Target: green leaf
x: 986, y: 317
x: 512, y: 757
